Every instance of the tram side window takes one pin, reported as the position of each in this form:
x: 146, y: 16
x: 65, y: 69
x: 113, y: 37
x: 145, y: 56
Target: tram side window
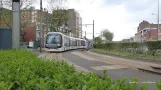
x: 66, y: 41
x: 81, y: 43
x: 71, y: 42
x: 76, y: 42
x: 84, y: 43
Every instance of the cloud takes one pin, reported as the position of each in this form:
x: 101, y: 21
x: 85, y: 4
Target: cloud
x: 119, y: 16
x: 112, y: 2
x: 140, y: 10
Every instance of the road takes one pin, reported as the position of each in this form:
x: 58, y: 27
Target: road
x: 117, y: 67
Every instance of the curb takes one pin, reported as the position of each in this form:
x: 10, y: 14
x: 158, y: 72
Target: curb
x: 151, y: 71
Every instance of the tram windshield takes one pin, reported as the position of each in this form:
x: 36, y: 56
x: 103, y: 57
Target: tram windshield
x: 53, y: 39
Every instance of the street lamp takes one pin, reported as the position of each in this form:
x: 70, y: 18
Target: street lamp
x: 157, y: 21
x: 156, y: 16
x: 93, y: 28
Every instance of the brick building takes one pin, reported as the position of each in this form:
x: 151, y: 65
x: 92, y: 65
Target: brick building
x: 31, y: 22
x: 146, y: 32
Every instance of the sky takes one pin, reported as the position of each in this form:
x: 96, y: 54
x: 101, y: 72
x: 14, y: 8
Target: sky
x: 121, y: 17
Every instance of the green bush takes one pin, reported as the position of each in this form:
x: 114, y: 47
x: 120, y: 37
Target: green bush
x: 142, y: 48
x: 21, y: 70
x: 99, y: 46
x: 153, y: 46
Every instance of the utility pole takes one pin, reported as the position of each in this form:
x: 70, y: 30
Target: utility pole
x: 85, y: 34
x: 102, y: 35
x: 40, y: 25
x: 1, y: 12
x: 93, y: 31
x: 149, y: 31
x: 16, y: 24
x: 81, y: 35
x: 158, y: 21
x: 47, y: 26
x: 93, y: 28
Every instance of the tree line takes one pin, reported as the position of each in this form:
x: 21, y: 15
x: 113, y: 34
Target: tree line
x: 106, y: 36
x: 57, y: 14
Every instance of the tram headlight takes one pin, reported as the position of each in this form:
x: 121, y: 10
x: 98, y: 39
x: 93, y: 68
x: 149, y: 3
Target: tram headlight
x: 58, y: 44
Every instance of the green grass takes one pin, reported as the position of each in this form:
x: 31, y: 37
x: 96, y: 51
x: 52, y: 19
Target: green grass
x: 22, y: 70
x: 130, y: 55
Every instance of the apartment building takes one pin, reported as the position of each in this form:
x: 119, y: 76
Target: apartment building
x: 147, y: 32
x: 75, y: 23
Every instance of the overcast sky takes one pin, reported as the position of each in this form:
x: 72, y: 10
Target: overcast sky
x: 118, y: 16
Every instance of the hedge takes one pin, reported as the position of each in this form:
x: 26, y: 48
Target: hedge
x: 147, y: 47
x: 22, y: 70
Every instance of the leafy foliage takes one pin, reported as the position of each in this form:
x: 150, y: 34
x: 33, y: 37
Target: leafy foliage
x: 150, y: 47
x: 108, y: 35
x: 98, y: 40
x: 58, y: 18
x: 153, y: 46
x: 5, y: 18
x: 21, y: 70
x: 6, y: 11
x: 121, y: 46
x: 131, y: 39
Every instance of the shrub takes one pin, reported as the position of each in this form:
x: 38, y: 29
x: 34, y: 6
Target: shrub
x: 21, y: 70
x: 142, y: 48
x: 153, y: 46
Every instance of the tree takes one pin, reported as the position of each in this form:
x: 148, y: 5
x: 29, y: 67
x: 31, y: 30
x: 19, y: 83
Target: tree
x: 131, y: 39
x: 98, y: 40
x: 6, y: 15
x: 108, y: 35
x: 59, y: 17
x: 5, y: 18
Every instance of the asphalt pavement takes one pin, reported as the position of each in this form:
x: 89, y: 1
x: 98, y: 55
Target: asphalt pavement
x: 93, y: 64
